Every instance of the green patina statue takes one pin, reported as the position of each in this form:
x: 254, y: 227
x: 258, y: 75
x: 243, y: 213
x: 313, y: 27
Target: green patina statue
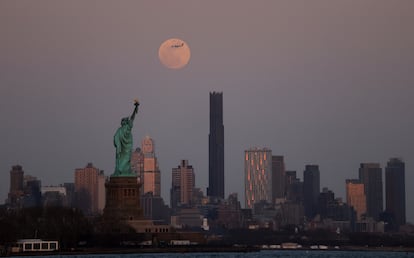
x: 123, y: 145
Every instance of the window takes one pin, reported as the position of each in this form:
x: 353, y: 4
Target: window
x: 53, y: 246
x: 36, y: 246
x: 28, y: 246
x: 45, y: 246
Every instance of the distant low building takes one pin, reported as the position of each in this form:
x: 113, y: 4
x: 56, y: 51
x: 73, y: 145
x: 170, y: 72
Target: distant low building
x: 154, y: 208
x: 229, y: 213
x: 369, y: 225
x: 292, y: 213
x: 54, y: 196
x: 187, y: 218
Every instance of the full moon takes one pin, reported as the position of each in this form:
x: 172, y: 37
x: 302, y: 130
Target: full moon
x: 174, y: 53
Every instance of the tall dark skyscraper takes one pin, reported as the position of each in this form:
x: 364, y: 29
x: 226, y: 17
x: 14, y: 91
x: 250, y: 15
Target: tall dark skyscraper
x: 16, y: 185
x: 395, y: 190
x: 311, y: 189
x: 278, y: 178
x: 216, y: 147
x: 370, y: 174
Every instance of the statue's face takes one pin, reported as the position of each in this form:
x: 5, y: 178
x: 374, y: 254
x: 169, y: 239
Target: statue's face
x: 124, y: 121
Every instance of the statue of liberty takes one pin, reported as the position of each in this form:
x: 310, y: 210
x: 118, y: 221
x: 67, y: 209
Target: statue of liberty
x: 123, y: 145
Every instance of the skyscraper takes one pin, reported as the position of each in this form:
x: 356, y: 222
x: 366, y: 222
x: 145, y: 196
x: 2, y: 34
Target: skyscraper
x: 370, y: 174
x: 294, y: 188
x: 32, y: 193
x: 151, y: 177
x: 16, y: 185
x: 182, y: 184
x: 257, y: 176
x: 216, y: 147
x: 395, y: 190
x: 355, y: 197
x: 137, y: 164
x: 90, y: 189
x: 311, y: 189
x: 278, y: 177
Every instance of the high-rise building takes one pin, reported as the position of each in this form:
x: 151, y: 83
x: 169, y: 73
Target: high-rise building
x: 16, y: 186
x: 278, y: 177
x: 182, y: 185
x: 150, y: 176
x: 294, y: 188
x: 311, y: 189
x: 90, y: 189
x: 216, y: 147
x: 257, y: 176
x: 137, y: 164
x: 395, y: 190
x: 32, y: 193
x: 370, y: 174
x: 355, y: 197
x: 326, y: 200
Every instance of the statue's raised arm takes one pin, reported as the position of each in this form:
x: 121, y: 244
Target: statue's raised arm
x: 136, y: 103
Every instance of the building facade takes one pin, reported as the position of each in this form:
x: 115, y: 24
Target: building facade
x: 137, y: 164
x: 278, y: 177
x: 294, y: 188
x: 54, y: 196
x: 216, y: 147
x: 90, y: 189
x: 395, y: 191
x: 258, y: 176
x: 150, y: 175
x: 355, y: 197
x: 182, y: 185
x: 370, y: 174
x: 32, y: 194
x: 311, y: 189
x: 16, y: 192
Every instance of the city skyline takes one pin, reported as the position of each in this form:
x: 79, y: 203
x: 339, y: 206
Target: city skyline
x: 327, y: 83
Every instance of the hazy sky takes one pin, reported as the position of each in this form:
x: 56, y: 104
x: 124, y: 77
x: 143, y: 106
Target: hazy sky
x: 320, y: 82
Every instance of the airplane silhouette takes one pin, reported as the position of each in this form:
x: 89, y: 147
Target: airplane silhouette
x: 178, y: 45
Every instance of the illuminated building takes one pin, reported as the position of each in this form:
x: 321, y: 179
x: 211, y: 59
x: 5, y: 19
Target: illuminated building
x: 258, y: 176
x: 150, y: 177
x: 355, y: 197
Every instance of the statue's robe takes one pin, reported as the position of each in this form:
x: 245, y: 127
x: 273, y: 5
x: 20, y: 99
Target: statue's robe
x: 123, y: 145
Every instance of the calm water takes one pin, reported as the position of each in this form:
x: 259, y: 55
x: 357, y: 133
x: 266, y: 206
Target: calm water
x: 262, y: 254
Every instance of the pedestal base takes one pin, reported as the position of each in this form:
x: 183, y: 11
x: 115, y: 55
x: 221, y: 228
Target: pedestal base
x: 122, y: 199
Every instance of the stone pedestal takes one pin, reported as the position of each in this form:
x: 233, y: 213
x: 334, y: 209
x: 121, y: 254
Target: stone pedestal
x: 122, y: 199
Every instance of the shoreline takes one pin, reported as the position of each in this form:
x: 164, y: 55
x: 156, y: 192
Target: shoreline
x: 205, y: 249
